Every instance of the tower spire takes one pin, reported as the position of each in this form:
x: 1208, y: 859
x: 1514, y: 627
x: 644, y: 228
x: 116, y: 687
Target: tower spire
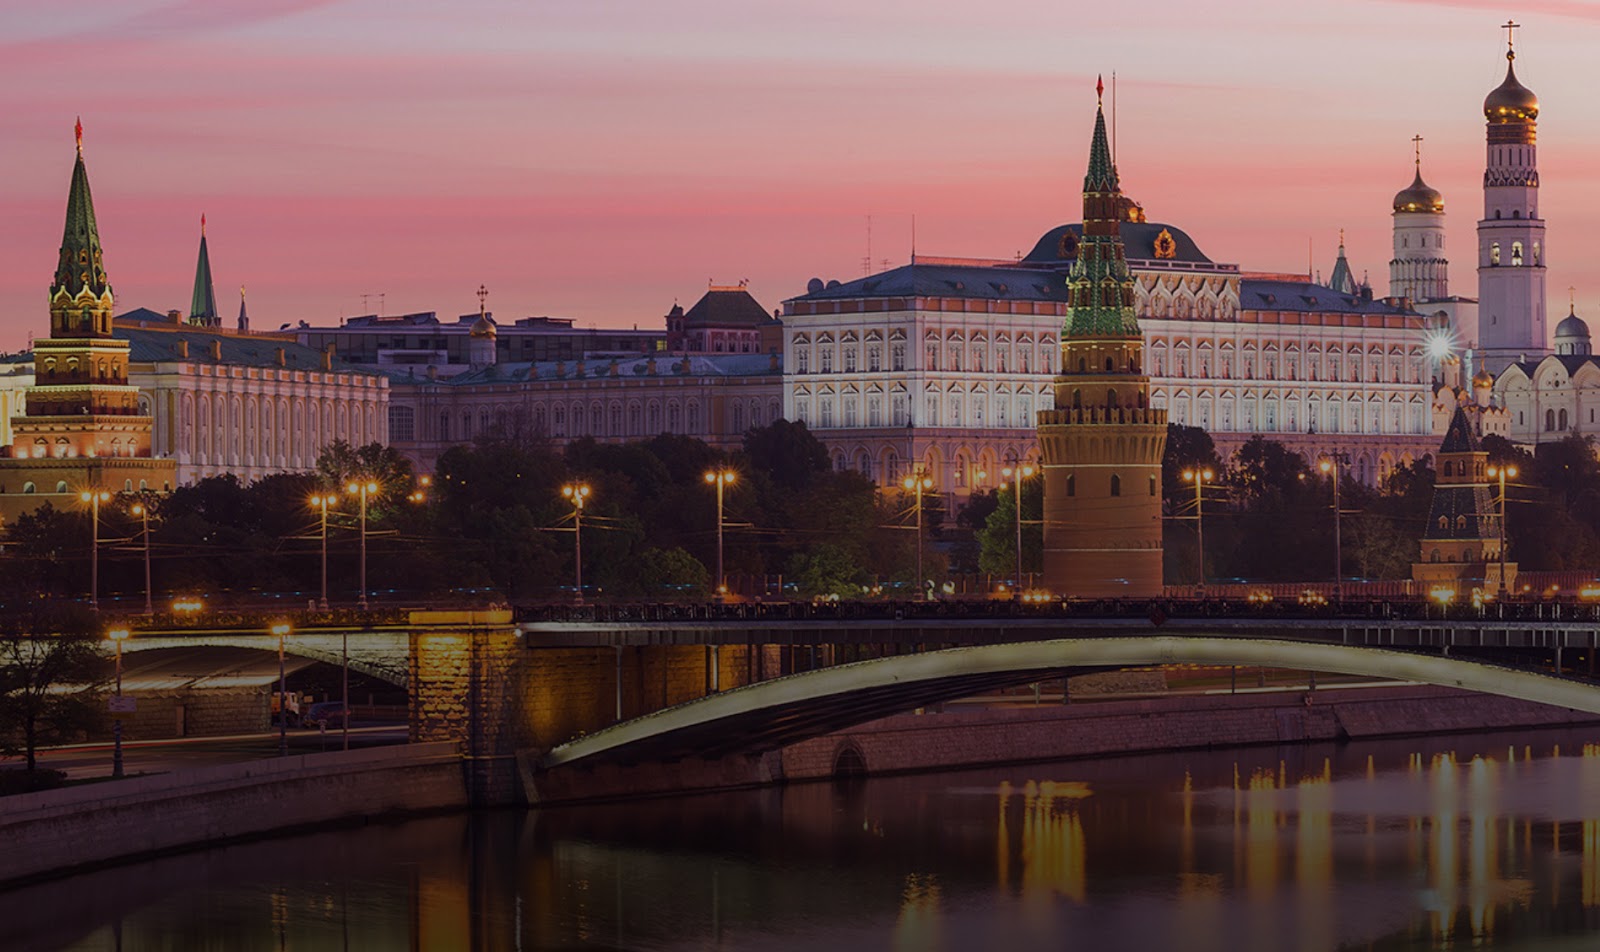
x: 244, y: 318
x: 203, y: 302
x: 81, y: 268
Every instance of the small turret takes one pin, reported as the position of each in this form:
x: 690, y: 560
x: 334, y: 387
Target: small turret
x: 482, y: 343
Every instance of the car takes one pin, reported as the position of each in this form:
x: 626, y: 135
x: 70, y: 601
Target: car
x: 324, y: 715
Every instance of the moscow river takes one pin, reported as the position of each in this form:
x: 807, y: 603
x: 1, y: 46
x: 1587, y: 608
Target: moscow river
x: 1489, y: 841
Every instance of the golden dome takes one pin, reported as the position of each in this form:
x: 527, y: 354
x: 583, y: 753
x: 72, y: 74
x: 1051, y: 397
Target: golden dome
x: 1419, y: 197
x: 1511, y: 101
x: 482, y: 327
x: 1482, y: 379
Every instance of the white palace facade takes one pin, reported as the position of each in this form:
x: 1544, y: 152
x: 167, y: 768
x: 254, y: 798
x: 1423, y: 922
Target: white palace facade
x: 944, y: 362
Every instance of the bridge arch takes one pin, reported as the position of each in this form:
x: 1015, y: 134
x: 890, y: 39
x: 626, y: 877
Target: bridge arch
x: 383, y: 658
x: 786, y: 710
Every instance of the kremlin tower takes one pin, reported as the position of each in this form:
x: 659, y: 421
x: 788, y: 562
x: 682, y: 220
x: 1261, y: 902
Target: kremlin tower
x: 1102, y: 443
x: 82, y: 427
x: 1511, y: 249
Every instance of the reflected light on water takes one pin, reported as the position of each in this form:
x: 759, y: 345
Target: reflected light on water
x: 1053, y: 860
x: 918, y: 927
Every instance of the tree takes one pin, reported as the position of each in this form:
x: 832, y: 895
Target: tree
x: 997, y: 540
x: 340, y: 464
x: 50, y: 666
x: 671, y: 573
x: 824, y: 570
x: 787, y: 452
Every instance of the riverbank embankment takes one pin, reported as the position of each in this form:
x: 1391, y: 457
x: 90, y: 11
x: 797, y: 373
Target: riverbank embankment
x: 962, y: 737
x: 60, y: 831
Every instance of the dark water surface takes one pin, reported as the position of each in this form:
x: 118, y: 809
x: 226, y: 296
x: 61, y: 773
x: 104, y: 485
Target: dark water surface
x: 1430, y: 843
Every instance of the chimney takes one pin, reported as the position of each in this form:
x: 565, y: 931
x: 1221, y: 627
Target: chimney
x: 327, y: 357
x: 561, y: 368
x: 772, y: 361
x: 182, y: 348
x: 216, y: 349
x: 175, y: 317
x: 650, y: 366
x: 580, y: 367
x: 683, y: 368
x: 433, y: 372
x: 283, y: 357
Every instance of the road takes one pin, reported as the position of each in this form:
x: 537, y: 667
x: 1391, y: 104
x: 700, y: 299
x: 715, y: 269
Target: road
x: 82, y: 761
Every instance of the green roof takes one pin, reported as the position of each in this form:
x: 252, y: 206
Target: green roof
x: 81, y: 264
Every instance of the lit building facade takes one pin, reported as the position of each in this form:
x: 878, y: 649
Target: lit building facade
x: 1461, y: 543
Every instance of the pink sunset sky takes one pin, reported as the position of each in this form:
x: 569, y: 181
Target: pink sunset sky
x: 599, y: 159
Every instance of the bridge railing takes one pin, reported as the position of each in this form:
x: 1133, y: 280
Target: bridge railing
x: 1157, y: 611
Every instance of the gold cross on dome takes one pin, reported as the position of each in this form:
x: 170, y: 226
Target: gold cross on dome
x: 1417, y: 141
x: 483, y: 295
x: 1572, y: 298
x: 1510, y: 36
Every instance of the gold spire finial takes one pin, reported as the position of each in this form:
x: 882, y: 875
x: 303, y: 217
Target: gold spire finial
x: 1100, y: 88
x: 483, y: 297
x: 1511, y: 52
x: 1341, y: 239
x: 202, y: 224
x: 77, y: 130
x: 1417, y: 141
x: 1572, y: 299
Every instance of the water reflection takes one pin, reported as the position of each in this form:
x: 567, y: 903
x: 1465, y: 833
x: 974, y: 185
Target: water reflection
x: 1419, y: 844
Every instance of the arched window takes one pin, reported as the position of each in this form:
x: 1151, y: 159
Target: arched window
x: 1152, y: 484
x: 1072, y: 485
x: 1116, y: 485
x: 1516, y: 254
x: 1549, y: 420
x: 1561, y: 421
x: 61, y: 487
x: 28, y: 489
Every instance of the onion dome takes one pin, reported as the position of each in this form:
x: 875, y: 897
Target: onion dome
x: 1483, y: 380
x: 482, y: 327
x: 1511, y: 101
x: 1572, y: 326
x: 1419, y: 197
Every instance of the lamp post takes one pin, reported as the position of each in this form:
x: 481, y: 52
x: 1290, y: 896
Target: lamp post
x: 321, y: 502
x: 117, y: 636
x: 1199, y: 477
x: 577, y: 494
x: 721, y: 478
x: 1330, y: 465
x: 94, y: 497
x: 1016, y: 474
x: 142, y: 510
x: 281, y: 629
x: 919, y: 481
x: 1502, y: 472
x: 363, y: 490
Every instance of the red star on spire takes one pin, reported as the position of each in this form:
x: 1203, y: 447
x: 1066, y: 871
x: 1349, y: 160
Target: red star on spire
x: 1099, y: 87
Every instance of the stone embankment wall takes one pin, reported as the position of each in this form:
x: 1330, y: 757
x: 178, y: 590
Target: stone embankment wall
x: 58, y: 831
x: 968, y: 737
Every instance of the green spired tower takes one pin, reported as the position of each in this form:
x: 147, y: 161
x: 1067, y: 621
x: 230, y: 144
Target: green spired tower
x: 1102, y: 443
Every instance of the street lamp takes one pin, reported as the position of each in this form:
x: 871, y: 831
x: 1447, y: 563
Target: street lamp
x: 577, y: 494
x: 1199, y: 477
x: 919, y: 481
x: 363, y: 490
x: 94, y: 497
x: 1017, y: 474
x: 117, y: 636
x: 720, y: 478
x: 321, y: 502
x: 142, y: 510
x: 1502, y: 472
x: 1330, y: 465
x: 281, y: 629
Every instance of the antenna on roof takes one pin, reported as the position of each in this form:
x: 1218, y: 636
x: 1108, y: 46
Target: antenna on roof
x: 866, y: 262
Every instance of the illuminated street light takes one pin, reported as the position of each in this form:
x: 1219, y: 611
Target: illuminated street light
x: 1199, y: 477
x: 94, y: 497
x: 321, y: 502
x: 1330, y: 465
x: 1017, y: 474
x: 721, y: 478
x: 281, y: 629
x: 1502, y: 472
x: 142, y: 510
x: 363, y: 490
x: 919, y: 482
x: 117, y: 636
x: 577, y: 494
